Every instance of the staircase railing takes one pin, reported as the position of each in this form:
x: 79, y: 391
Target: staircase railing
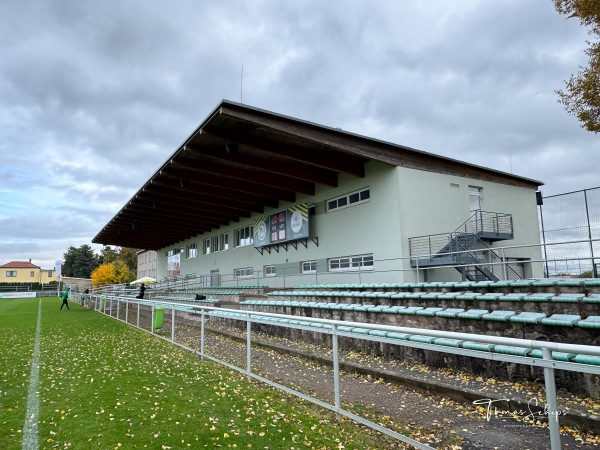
x: 487, y: 222
x: 488, y: 259
x: 465, y: 244
x: 479, y: 222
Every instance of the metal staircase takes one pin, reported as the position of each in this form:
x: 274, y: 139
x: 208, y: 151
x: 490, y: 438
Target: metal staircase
x: 467, y: 249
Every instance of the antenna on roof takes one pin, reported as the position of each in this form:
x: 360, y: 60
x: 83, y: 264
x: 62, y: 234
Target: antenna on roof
x: 242, y: 85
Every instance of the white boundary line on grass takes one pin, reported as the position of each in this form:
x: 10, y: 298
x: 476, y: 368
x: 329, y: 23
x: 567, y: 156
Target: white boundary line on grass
x: 30, y: 427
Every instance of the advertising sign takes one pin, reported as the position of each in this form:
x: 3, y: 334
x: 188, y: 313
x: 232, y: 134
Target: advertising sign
x: 283, y: 226
x: 173, y: 265
x: 57, y: 268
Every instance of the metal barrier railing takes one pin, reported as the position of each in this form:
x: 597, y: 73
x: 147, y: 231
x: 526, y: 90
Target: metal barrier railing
x: 549, y: 365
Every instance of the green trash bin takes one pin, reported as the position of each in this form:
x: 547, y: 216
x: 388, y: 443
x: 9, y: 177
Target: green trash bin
x: 159, y: 314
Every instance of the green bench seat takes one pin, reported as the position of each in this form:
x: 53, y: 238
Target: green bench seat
x: 450, y: 312
x: 498, y: 316
x: 528, y: 317
x: 589, y: 322
x: 473, y: 314
x: 563, y: 320
x: 428, y: 311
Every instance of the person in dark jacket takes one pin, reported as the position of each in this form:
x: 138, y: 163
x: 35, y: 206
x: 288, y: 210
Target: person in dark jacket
x: 142, y: 290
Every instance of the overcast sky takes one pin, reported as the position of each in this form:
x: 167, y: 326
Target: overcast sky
x: 95, y: 96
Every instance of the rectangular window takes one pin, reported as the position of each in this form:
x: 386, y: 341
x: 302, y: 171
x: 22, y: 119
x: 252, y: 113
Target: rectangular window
x: 347, y: 200
x: 243, y: 236
x: 50, y: 274
x: 269, y: 271
x: 247, y: 272
x: 359, y: 262
x: 309, y: 267
x: 192, y: 251
x: 224, y: 241
x: 206, y: 247
x: 11, y: 273
x: 32, y: 274
x: 214, y: 244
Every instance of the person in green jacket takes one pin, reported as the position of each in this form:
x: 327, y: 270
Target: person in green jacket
x: 65, y: 297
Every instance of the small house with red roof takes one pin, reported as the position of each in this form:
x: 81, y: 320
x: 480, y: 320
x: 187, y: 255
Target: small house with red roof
x: 25, y: 272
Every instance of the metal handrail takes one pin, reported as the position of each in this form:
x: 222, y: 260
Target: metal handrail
x: 249, y: 317
x: 479, y: 222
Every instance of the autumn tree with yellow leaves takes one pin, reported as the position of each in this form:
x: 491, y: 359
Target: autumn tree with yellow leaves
x: 113, y: 273
x: 582, y: 95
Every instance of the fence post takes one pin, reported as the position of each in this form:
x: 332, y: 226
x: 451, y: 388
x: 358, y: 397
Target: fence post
x: 118, y: 307
x: 152, y: 321
x: 173, y: 325
x: 551, y: 402
x: 110, y: 307
x: 126, y: 310
x: 336, y: 372
x: 138, y: 314
x: 202, y: 333
x: 248, y: 346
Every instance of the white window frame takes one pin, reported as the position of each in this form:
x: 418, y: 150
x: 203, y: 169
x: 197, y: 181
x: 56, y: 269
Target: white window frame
x: 269, y: 271
x: 214, y: 244
x: 351, y: 263
x: 308, y: 267
x: 243, y: 236
x: 245, y: 272
x: 347, y: 200
x: 11, y: 273
x: 206, y: 247
x: 224, y: 241
x: 192, y: 251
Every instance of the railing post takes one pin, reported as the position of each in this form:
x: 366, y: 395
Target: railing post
x: 552, y: 410
x: 173, y: 325
x: 202, y: 314
x: 110, y: 307
x: 417, y: 270
x: 336, y: 372
x: 248, y: 346
x: 118, y: 307
x: 138, y: 314
x: 126, y: 310
x: 152, y: 321
x: 504, y: 266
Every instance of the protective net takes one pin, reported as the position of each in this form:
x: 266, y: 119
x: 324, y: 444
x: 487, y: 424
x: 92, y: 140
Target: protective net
x: 567, y: 218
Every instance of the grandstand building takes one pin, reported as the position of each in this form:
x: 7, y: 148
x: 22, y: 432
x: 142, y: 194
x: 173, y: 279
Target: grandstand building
x: 254, y: 197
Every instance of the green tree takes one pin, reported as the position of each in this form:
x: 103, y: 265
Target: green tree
x: 79, y: 262
x: 129, y: 257
x: 582, y: 95
x: 108, y: 255
x: 86, y: 262
x: 69, y: 262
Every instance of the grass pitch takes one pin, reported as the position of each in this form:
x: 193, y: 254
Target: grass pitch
x: 105, y: 385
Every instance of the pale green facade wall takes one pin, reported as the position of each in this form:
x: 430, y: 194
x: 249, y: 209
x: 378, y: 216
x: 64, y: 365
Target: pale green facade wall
x: 403, y: 203
x: 437, y: 203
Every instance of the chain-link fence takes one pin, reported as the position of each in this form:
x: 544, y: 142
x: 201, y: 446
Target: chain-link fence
x: 570, y: 217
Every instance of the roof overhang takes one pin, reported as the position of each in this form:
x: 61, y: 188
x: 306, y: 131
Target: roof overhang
x: 241, y: 160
